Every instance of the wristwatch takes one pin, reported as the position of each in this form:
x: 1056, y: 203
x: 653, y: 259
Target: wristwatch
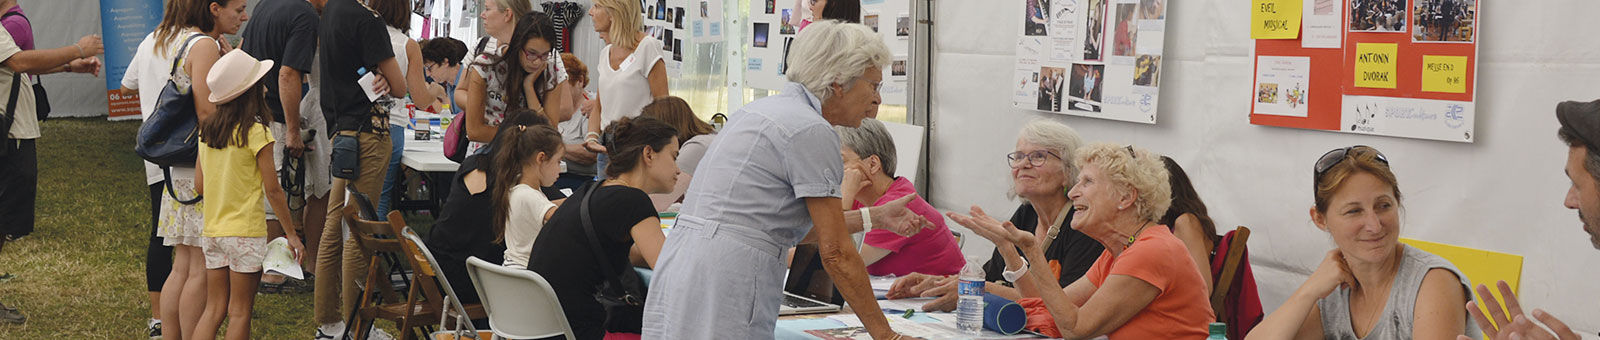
x: 1013, y: 276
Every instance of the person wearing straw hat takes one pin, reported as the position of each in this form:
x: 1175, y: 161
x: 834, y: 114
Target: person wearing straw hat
x: 236, y: 166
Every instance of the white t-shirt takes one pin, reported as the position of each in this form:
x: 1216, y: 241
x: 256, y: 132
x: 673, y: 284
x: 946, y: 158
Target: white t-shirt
x: 625, y: 91
x: 524, y: 220
x: 148, y: 73
x: 25, y: 126
x: 397, y: 106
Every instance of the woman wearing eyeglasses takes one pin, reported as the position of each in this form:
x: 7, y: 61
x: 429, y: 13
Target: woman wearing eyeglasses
x: 1370, y: 286
x: 1041, y: 171
x: 1143, y: 285
x: 515, y: 68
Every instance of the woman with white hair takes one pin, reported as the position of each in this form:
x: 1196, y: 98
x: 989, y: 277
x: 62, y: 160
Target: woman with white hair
x: 1143, y: 286
x: 770, y: 181
x: 1042, y: 169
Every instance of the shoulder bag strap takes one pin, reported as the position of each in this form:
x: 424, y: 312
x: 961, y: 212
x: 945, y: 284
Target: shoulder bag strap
x: 183, y: 52
x: 16, y: 77
x: 594, y: 240
x: 166, y: 172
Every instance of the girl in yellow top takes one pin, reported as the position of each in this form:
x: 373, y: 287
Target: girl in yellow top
x: 235, y: 169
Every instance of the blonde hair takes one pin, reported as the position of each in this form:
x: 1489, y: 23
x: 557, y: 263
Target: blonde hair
x: 1131, y: 167
x: 626, y: 22
x: 518, y: 8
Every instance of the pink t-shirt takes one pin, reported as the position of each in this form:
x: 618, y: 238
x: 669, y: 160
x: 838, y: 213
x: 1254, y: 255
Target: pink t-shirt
x: 933, y: 251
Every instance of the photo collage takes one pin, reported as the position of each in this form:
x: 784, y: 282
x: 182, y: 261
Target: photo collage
x: 665, y: 20
x: 1098, y: 58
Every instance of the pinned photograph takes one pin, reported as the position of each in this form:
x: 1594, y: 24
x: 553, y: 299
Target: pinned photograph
x: 897, y: 68
x: 705, y: 8
x: 669, y: 15
x: 1444, y: 20
x: 1378, y: 16
x: 871, y: 20
x: 678, y: 21
x: 1050, y: 88
x: 1094, y: 32
x: 1147, y: 70
x: 1082, y: 105
x: 1267, y: 93
x: 902, y: 26
x: 1038, y: 17
x: 666, y: 40
x: 784, y: 26
x: 1126, y: 31
x: 661, y: 9
x: 760, y: 34
x: 771, y: 4
x: 677, y: 50
x: 1085, y: 82
x: 422, y: 7
x: 1157, y: 9
x: 649, y: 12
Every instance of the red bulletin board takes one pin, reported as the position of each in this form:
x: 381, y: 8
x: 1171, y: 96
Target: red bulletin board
x: 1336, y: 104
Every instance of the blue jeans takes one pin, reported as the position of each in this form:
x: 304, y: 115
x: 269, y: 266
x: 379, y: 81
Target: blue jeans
x: 397, y: 136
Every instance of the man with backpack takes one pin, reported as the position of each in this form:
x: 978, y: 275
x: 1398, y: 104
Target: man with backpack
x: 19, y: 163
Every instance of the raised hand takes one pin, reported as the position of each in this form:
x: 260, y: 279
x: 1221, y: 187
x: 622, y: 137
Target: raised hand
x: 91, y: 45
x: 894, y: 217
x: 1332, y: 273
x: 1001, y: 233
x: 1513, y: 324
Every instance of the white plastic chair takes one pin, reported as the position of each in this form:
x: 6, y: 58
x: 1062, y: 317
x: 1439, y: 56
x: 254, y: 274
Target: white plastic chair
x: 520, y: 303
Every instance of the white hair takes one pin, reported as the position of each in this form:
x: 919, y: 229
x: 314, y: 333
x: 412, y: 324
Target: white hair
x: 831, y: 52
x: 1057, y: 137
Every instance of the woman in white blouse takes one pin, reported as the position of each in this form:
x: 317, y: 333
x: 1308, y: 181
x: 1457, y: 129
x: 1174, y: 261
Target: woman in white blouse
x: 632, y: 73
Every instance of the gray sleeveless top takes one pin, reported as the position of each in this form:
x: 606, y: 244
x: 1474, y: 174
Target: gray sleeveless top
x: 1399, y: 309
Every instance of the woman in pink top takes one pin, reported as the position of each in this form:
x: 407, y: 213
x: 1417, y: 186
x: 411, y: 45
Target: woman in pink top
x: 869, y: 163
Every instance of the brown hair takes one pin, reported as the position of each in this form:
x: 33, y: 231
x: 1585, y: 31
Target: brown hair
x: 626, y: 138
x: 676, y: 112
x: 519, y: 144
x: 181, y: 15
x: 1359, y: 159
x: 395, y: 13
x: 576, y: 70
x: 1185, y: 200
x: 231, y: 125
x: 1591, y: 159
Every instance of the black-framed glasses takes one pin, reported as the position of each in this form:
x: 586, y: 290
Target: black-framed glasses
x: 1335, y: 156
x: 536, y: 55
x: 1035, y: 158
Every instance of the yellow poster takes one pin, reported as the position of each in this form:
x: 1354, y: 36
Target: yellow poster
x: 1275, y: 19
x: 1375, y: 64
x: 1446, y: 74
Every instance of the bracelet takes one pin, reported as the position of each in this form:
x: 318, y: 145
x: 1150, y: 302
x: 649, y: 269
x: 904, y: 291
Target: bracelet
x: 1013, y: 276
x: 591, y: 139
x: 866, y: 218
x: 592, y: 135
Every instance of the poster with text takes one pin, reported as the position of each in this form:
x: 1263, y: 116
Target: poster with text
x: 1398, y: 68
x: 1091, y: 58
x: 125, y: 23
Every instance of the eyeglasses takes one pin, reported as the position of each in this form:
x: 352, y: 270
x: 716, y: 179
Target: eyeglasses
x: 1335, y: 156
x: 1035, y: 158
x: 536, y: 55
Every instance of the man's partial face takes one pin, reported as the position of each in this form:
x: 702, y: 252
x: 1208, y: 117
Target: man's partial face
x: 1584, y: 195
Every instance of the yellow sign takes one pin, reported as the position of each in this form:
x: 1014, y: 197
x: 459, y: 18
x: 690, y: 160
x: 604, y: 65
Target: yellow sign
x: 1442, y: 73
x: 1275, y: 19
x: 1375, y: 64
x: 1481, y: 267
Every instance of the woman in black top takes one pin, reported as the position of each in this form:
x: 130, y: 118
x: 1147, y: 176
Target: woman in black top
x: 465, y: 228
x: 1041, y: 173
x: 643, y: 161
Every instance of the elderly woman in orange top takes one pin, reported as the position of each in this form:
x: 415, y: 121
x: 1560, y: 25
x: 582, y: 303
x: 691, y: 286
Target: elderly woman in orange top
x: 1143, y: 286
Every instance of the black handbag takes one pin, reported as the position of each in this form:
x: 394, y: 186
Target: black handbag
x: 8, y: 117
x: 622, y: 295
x: 170, y: 136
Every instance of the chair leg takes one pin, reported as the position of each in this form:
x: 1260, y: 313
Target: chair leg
x: 366, y: 295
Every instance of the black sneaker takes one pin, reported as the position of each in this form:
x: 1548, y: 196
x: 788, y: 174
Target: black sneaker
x: 11, y: 315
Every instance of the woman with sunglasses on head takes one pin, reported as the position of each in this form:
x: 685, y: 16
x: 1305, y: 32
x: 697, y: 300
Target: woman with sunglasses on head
x: 1370, y: 286
x: 1041, y: 172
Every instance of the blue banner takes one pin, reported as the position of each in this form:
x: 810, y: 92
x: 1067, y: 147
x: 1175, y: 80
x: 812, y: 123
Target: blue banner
x: 123, y: 24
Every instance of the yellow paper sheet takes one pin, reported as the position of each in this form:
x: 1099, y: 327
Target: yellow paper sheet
x: 1275, y: 19
x: 1481, y: 267
x: 1375, y: 65
x: 1446, y: 74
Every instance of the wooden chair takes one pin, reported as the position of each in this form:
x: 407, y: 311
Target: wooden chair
x: 1230, y: 266
x: 380, y: 244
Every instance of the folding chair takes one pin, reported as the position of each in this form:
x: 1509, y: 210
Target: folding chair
x: 1234, y: 298
x: 521, y: 305
x: 379, y: 245
x: 440, y: 298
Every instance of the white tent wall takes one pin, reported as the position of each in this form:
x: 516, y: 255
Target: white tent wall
x: 1502, y: 193
x: 59, y: 23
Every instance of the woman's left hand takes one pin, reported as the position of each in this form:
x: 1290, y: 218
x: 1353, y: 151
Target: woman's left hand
x: 1001, y: 233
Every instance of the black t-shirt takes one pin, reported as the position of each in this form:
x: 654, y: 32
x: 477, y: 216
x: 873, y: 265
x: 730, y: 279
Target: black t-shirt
x: 562, y: 252
x: 1075, y: 251
x: 465, y: 229
x: 284, y: 31
x: 352, y: 38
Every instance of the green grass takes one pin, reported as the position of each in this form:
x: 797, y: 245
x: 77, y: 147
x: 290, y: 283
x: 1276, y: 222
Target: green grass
x: 80, y: 275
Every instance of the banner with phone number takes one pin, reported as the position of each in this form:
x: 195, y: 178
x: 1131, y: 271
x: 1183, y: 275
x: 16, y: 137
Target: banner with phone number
x: 123, y: 24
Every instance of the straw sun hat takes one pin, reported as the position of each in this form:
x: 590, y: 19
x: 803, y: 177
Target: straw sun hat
x: 234, y: 73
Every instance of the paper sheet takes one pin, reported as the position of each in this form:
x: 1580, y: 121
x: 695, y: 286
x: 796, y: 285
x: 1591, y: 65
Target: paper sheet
x: 1282, y: 85
x: 1275, y: 19
x: 280, y: 259
x: 1375, y: 65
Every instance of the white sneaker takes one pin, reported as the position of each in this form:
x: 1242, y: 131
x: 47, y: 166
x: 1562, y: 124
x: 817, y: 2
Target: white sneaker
x: 153, y: 327
x: 330, y: 331
x: 379, y: 334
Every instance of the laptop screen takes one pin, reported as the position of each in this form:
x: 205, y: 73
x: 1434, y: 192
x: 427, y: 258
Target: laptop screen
x: 808, y: 278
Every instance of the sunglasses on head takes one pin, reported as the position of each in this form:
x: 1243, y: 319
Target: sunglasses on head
x: 1335, y: 156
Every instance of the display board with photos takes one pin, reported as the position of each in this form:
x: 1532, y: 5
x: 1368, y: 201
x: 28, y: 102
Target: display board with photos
x: 666, y: 21
x: 774, y: 24
x: 1402, y: 68
x: 1091, y: 58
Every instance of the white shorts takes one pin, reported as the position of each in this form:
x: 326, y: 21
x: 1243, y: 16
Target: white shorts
x: 315, y: 163
x: 239, y: 254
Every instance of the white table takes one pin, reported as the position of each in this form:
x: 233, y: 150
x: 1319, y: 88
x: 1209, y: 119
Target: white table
x: 426, y: 157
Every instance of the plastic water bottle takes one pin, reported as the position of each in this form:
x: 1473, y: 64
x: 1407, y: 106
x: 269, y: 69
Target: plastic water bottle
x: 1219, y: 331
x: 969, y: 308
